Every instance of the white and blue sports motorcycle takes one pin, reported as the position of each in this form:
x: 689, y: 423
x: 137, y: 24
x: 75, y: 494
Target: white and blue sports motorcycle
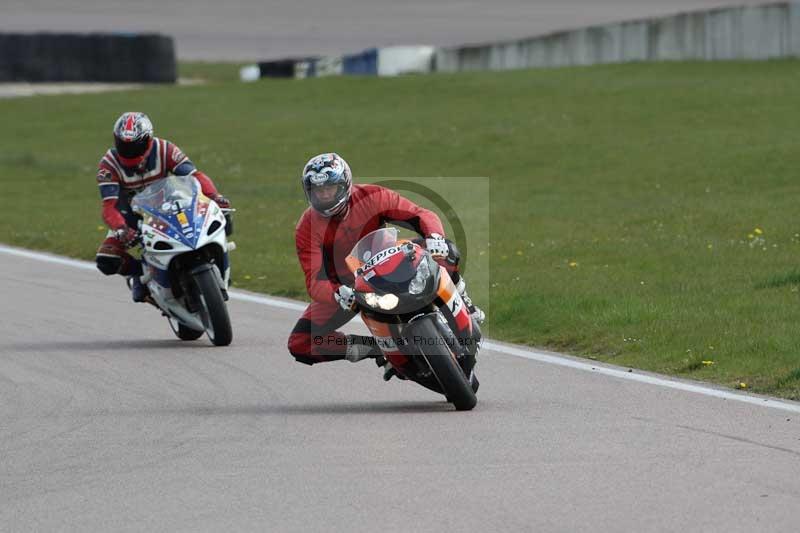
x: 185, y: 257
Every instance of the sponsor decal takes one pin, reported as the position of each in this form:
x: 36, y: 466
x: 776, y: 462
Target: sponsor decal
x: 456, y: 305
x: 104, y: 176
x: 380, y: 257
x: 157, y: 225
x: 318, y: 179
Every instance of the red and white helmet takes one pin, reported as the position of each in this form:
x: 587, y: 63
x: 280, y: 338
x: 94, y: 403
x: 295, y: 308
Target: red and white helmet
x: 133, y: 138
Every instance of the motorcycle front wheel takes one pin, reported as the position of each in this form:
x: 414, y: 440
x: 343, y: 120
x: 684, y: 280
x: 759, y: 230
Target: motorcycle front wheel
x: 184, y: 333
x: 214, y: 311
x: 456, y: 386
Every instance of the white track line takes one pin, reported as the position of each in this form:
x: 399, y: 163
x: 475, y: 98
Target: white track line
x: 525, y: 353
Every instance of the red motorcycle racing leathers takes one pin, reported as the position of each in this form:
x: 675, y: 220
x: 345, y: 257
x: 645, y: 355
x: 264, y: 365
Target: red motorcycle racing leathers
x: 322, y: 246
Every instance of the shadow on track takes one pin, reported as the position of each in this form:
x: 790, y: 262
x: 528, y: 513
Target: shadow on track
x: 324, y: 409
x: 101, y: 345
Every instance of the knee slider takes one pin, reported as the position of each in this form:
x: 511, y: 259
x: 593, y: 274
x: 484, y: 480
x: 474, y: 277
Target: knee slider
x: 108, y: 265
x: 305, y: 360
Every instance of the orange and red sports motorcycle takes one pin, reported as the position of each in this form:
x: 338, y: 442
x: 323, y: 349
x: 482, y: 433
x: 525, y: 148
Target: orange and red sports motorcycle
x: 418, y: 318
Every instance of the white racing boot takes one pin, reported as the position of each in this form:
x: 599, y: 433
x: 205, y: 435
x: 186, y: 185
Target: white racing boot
x: 473, y: 309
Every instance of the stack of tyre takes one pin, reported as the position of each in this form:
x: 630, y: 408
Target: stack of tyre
x: 96, y: 57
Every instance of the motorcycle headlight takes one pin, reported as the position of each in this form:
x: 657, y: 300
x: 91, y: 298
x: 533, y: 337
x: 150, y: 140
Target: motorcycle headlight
x: 387, y: 302
x: 419, y: 282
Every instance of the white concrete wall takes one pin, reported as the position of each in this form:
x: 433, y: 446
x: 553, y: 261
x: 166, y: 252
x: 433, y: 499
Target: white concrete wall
x: 750, y: 32
x: 396, y: 60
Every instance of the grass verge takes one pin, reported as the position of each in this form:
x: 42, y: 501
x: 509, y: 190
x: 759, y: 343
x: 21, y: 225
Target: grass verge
x: 209, y: 71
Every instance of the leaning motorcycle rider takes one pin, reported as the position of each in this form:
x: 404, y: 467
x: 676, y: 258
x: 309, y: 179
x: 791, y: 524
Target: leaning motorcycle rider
x: 136, y: 160
x: 339, y: 214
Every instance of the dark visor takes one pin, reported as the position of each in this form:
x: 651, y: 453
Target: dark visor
x: 131, y: 149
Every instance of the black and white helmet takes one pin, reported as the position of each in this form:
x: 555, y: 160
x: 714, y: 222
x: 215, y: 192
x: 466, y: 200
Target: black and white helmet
x: 327, y: 182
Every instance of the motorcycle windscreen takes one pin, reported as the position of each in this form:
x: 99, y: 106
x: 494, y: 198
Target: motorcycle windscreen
x: 370, y: 244
x: 172, y: 201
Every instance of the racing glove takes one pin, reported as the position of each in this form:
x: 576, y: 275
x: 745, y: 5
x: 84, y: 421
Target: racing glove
x: 345, y: 297
x: 224, y: 203
x: 436, y: 245
x: 127, y: 236
x: 221, y: 201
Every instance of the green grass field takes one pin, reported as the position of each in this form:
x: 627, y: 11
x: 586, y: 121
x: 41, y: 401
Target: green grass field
x: 209, y: 71
x: 641, y: 214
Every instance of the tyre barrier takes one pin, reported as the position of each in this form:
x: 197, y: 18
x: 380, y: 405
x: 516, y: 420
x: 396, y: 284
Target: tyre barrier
x: 282, y: 68
x: 277, y: 69
x: 93, y: 57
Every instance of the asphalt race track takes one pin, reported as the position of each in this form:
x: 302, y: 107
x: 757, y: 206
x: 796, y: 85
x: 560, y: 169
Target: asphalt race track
x: 108, y: 423
x: 266, y: 29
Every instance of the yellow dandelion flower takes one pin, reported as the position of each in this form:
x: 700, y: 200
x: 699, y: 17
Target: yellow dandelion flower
x: 742, y: 385
x: 751, y: 236
x: 707, y: 363
x: 100, y: 228
x: 758, y: 231
x: 573, y: 264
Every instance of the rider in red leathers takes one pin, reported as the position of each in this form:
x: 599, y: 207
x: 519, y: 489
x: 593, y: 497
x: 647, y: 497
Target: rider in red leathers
x: 340, y: 213
x: 137, y: 160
